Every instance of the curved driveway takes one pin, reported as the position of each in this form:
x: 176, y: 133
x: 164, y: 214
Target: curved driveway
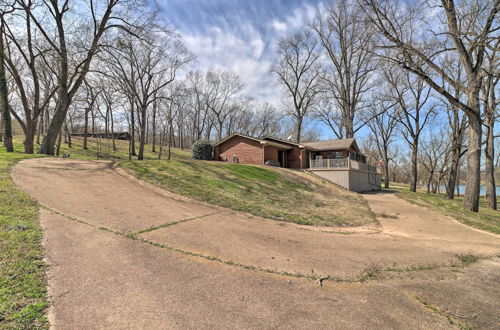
x: 123, y: 254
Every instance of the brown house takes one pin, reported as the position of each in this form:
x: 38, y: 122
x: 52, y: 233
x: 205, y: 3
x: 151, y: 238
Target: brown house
x: 239, y: 148
x: 339, y: 161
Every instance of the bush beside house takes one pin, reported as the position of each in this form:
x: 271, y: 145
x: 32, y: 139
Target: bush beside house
x: 202, y: 150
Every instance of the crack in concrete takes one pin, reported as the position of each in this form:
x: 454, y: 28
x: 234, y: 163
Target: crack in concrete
x: 442, y: 312
x: 168, y: 224
x: 360, y: 278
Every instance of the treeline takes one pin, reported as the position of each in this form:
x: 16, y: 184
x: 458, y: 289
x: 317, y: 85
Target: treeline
x: 419, y: 76
x: 422, y: 72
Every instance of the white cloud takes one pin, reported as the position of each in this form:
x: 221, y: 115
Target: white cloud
x: 248, y: 48
x: 279, y: 25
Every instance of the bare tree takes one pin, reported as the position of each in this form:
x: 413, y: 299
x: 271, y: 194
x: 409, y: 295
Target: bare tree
x: 298, y: 70
x: 26, y: 59
x: 463, y: 31
x: 433, y: 159
x: 58, y: 23
x: 266, y: 120
x: 221, y: 89
x: 411, y: 96
x: 91, y: 97
x: 383, y: 125
x: 198, y: 111
x: 155, y: 66
x: 490, y: 105
x: 4, y: 95
x: 457, y: 123
x: 347, y: 41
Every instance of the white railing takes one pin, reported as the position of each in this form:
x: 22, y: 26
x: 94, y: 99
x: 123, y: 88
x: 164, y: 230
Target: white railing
x: 343, y: 163
x: 330, y: 163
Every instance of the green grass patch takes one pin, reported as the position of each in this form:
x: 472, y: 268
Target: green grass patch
x: 23, y: 295
x: 485, y: 219
x: 468, y: 258
x: 263, y: 191
x: 387, y: 216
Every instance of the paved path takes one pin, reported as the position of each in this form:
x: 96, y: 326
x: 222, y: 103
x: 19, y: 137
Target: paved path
x: 123, y: 254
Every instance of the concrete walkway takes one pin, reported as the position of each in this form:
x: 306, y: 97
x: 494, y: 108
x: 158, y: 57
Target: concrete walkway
x: 123, y: 254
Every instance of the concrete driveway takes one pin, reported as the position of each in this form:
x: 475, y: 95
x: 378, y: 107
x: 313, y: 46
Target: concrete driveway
x: 124, y: 254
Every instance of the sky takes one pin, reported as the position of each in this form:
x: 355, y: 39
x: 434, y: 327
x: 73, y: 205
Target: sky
x: 240, y: 35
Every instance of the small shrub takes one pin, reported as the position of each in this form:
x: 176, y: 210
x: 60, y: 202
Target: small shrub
x: 202, y: 150
x: 467, y: 258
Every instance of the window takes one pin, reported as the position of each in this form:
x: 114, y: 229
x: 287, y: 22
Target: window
x: 336, y: 155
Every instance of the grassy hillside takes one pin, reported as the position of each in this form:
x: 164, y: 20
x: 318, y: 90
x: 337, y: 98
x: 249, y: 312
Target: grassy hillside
x: 485, y: 219
x: 264, y: 191
x: 23, y: 295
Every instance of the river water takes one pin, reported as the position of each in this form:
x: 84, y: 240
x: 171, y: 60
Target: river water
x: 461, y: 189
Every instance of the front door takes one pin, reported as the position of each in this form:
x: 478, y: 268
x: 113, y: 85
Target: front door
x: 282, y: 158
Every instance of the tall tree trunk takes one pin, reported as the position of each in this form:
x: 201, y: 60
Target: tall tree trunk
x: 4, y: 98
x: 1, y: 127
x: 47, y: 120
x: 112, y: 130
x: 49, y: 141
x: 414, y: 167
x: 58, y: 146
x: 170, y: 138
x: 153, y: 123
x: 181, y: 137
x: 298, y: 129
x: 491, y: 196
x: 453, y: 171
x: 146, y: 140
x: 386, y: 169
x: 93, y: 124
x: 132, y: 129
x: 219, y: 131
x: 86, y: 130
x: 68, y: 134
x: 65, y: 127
x: 29, y: 137
x: 40, y: 127
x: 140, y: 156
x: 471, y: 196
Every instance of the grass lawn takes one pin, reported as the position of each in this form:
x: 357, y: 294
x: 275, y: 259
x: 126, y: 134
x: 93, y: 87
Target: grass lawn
x: 23, y: 295
x: 263, y: 191
x: 485, y: 219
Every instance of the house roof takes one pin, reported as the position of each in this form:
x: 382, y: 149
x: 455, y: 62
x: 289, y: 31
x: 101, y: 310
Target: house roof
x: 284, y: 144
x: 276, y: 144
x: 333, y: 144
x: 272, y: 138
x: 234, y: 135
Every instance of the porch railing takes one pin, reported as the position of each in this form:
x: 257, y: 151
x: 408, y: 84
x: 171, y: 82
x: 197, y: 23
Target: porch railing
x: 342, y: 163
x: 330, y: 163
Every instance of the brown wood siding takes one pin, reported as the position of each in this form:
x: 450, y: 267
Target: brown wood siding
x: 304, y: 158
x: 270, y: 153
x: 294, y: 157
x: 247, y: 150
